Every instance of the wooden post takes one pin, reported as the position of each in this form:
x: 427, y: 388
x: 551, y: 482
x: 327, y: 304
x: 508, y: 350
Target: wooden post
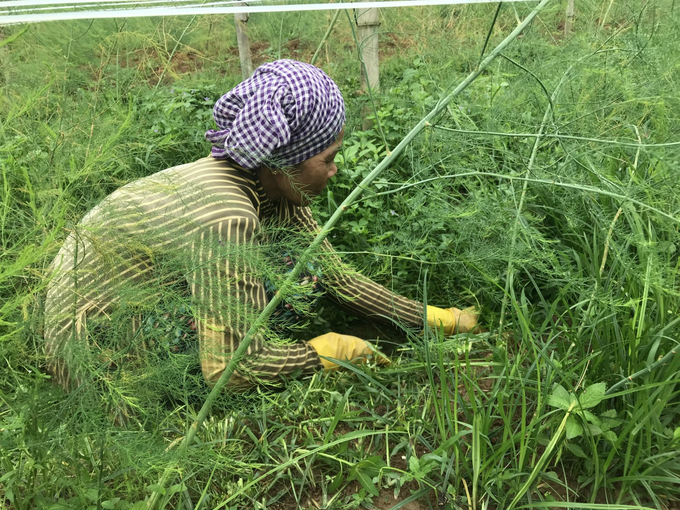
x: 4, y: 60
x: 569, y: 17
x: 241, y: 20
x: 368, y: 21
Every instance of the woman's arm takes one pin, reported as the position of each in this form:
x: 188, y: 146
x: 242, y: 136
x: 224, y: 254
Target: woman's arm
x: 353, y: 291
x: 228, y: 297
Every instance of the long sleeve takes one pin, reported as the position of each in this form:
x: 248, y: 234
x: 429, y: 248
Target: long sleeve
x: 192, y: 224
x: 353, y: 291
x: 228, y: 297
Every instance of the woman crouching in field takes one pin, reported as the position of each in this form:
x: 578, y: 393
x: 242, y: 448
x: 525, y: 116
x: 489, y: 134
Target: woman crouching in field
x: 201, y: 226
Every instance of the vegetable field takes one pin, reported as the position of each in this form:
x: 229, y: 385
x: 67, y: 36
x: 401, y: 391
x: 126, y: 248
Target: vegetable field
x: 543, y: 187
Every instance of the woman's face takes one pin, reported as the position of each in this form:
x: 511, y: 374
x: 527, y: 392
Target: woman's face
x: 301, y: 184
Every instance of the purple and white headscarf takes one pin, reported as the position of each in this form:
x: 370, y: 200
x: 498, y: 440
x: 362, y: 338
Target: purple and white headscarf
x: 285, y: 113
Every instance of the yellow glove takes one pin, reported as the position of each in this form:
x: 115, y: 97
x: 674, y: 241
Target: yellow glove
x: 343, y: 347
x: 453, y: 320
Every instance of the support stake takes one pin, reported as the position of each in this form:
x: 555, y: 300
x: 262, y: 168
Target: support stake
x: 569, y: 18
x: 241, y: 20
x: 368, y: 22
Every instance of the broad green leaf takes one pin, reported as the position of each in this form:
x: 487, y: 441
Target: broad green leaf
x: 365, y: 470
x: 559, y: 398
x: 551, y: 475
x: 576, y: 450
x: 608, y: 424
x: 110, y: 504
x: 611, y: 436
x: 366, y: 482
x: 62, y: 505
x: 594, y: 429
x: 543, y: 439
x: 414, y: 464
x: 176, y: 488
x: 574, y: 428
x: 371, y: 465
x: 429, y: 461
x: 591, y: 417
x: 593, y: 395
x: 157, y: 488
x: 336, y: 483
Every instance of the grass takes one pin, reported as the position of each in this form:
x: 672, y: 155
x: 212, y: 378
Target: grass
x: 571, y: 402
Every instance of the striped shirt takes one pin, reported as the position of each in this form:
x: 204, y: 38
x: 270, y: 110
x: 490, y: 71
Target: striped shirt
x: 208, y: 218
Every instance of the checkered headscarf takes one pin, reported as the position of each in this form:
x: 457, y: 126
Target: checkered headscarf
x: 285, y: 113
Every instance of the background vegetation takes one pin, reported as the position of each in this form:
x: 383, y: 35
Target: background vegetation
x: 568, y: 241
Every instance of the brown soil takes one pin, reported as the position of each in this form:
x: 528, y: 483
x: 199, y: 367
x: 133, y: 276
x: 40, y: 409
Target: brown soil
x: 386, y: 500
x: 295, y: 49
x: 393, y: 43
x: 186, y: 63
x: 148, y: 60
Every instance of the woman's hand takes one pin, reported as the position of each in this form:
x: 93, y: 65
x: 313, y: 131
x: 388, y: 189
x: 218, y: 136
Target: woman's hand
x: 453, y: 320
x: 344, y: 348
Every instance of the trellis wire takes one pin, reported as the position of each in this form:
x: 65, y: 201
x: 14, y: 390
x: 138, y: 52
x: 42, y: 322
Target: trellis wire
x: 20, y: 6
x: 308, y: 253
x: 203, y: 9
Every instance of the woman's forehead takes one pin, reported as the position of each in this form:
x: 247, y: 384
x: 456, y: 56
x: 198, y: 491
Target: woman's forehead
x: 336, y: 145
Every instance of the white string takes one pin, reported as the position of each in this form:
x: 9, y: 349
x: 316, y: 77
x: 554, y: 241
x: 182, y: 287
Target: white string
x: 24, y: 5
x: 70, y: 4
x: 199, y: 9
x: 29, y: 3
